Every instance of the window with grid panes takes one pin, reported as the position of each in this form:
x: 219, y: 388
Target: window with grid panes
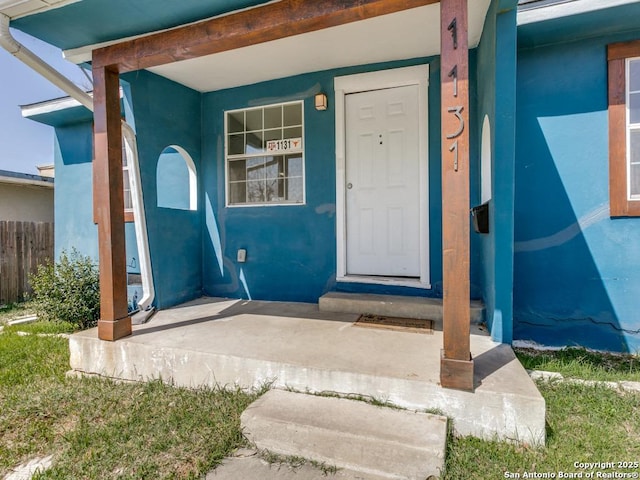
x: 624, y: 128
x: 265, y: 155
x: 633, y: 128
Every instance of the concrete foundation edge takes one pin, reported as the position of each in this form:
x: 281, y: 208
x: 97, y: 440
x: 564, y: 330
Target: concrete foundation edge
x: 483, y: 414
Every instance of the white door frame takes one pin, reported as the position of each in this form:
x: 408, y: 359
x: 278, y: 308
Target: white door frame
x: 363, y: 82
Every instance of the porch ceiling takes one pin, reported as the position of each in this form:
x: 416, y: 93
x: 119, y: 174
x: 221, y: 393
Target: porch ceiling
x: 405, y: 34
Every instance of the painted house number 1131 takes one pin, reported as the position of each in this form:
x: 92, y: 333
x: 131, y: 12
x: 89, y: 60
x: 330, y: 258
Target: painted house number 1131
x: 457, y: 109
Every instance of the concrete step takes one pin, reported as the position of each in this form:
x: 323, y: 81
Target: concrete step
x: 392, y: 306
x: 254, y: 467
x: 373, y: 441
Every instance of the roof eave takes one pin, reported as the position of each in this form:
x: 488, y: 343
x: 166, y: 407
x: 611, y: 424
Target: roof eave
x: 543, y: 11
x: 15, y: 9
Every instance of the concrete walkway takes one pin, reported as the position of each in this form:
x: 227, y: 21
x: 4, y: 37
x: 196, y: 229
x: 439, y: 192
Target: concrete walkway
x: 375, y: 441
x: 294, y: 345
x: 248, y: 465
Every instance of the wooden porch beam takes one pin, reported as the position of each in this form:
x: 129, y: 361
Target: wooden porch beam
x: 456, y: 366
x: 108, y: 200
x: 257, y: 25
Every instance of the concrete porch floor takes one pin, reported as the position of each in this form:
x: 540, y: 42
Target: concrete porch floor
x: 213, y: 341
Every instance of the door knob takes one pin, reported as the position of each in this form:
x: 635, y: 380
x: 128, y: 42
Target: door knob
x: 349, y: 185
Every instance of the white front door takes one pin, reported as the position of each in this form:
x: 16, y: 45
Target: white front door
x: 383, y: 182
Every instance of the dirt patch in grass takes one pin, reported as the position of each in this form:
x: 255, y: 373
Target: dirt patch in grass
x: 15, y: 310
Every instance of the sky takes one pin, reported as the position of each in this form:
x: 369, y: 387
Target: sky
x: 25, y: 143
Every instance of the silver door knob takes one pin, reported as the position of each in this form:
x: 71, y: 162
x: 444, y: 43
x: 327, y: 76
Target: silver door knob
x: 349, y: 186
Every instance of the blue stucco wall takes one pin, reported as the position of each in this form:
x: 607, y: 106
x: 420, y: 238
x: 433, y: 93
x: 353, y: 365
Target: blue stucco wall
x: 291, y: 250
x: 164, y: 114
x: 486, y: 79
x: 73, y: 196
x: 74, y: 227
x: 289, y: 254
x: 576, y: 270
x: 554, y: 257
x: 496, y: 98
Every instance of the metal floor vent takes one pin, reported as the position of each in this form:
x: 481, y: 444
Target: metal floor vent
x: 395, y: 323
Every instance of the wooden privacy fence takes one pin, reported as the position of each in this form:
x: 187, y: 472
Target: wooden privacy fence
x: 23, y: 246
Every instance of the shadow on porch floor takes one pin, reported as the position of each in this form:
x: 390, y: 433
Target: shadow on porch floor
x: 214, y: 341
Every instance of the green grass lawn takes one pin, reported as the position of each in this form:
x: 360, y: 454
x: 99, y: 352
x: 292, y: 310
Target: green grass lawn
x: 581, y: 363
x: 584, y: 424
x: 102, y: 429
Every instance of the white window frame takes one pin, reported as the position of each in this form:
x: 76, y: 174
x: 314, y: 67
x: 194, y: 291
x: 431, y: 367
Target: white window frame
x: 227, y: 157
x: 486, y: 155
x: 126, y: 182
x: 629, y: 127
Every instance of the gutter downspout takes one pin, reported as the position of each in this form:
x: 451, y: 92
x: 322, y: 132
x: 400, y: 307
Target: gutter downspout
x: 29, y: 58
x: 140, y: 223
x: 26, y: 56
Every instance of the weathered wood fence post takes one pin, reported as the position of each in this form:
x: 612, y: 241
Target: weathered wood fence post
x: 23, y: 246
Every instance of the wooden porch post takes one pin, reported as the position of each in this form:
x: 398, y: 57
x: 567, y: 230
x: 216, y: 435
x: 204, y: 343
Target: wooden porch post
x: 456, y: 365
x: 108, y: 204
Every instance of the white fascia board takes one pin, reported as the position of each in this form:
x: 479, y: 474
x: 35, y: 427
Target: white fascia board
x: 15, y: 9
x: 55, y: 105
x: 49, y: 106
x: 575, y: 7
x: 26, y: 181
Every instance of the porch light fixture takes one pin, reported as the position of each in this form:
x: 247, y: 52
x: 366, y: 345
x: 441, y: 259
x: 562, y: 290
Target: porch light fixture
x: 321, y: 101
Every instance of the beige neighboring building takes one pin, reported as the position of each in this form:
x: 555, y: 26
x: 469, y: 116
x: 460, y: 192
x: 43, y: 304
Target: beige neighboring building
x: 46, y: 170
x: 25, y: 197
